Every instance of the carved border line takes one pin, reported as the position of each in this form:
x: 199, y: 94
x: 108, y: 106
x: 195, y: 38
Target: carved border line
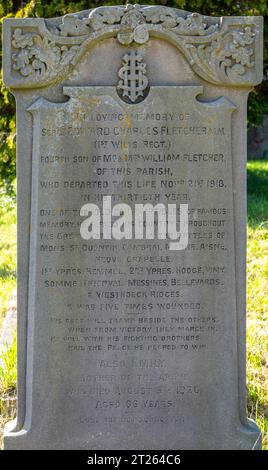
x: 222, y: 51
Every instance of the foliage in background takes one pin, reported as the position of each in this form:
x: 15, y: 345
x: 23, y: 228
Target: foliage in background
x: 257, y: 186
x: 8, y: 384
x: 258, y: 101
x: 7, y: 252
x: 8, y: 369
x: 257, y: 295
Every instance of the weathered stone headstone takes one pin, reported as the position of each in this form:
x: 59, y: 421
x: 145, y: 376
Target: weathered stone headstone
x: 128, y: 342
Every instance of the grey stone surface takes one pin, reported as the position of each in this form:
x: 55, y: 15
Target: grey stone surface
x: 125, y: 344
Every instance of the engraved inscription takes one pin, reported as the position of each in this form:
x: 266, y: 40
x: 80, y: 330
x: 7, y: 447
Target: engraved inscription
x: 140, y: 321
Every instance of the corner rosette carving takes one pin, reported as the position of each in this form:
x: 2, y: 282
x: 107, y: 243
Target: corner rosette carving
x: 219, y: 50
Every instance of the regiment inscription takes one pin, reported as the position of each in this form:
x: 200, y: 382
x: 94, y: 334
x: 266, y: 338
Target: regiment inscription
x: 131, y: 336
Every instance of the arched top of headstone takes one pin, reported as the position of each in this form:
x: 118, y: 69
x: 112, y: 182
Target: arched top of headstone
x: 223, y: 51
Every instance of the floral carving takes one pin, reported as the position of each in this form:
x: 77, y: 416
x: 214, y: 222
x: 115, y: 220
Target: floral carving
x: 73, y: 26
x: 234, y: 54
x: 134, y: 22
x: 38, y: 55
x: 221, y: 51
x: 229, y: 56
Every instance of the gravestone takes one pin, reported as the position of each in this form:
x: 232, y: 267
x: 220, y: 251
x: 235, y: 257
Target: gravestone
x: 130, y: 337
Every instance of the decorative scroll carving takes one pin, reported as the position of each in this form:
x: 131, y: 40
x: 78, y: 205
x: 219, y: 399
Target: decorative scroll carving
x: 134, y: 22
x: 73, y: 26
x: 227, y: 58
x: 38, y: 55
x: 220, y: 50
